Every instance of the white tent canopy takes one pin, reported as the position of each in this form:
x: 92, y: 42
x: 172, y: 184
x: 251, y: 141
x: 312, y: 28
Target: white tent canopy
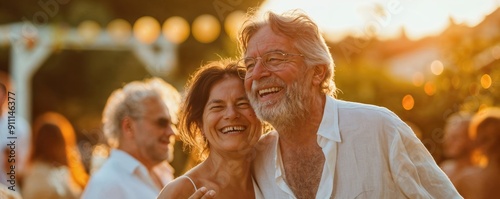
x: 32, y: 45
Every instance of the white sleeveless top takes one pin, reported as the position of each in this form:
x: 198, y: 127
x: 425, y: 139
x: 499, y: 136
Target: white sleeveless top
x: 256, y: 189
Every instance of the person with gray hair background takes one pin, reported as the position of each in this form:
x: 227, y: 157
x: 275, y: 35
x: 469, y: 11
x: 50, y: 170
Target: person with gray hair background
x: 138, y: 122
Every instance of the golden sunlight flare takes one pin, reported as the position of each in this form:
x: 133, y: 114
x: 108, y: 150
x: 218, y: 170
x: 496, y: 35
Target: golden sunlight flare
x: 386, y: 19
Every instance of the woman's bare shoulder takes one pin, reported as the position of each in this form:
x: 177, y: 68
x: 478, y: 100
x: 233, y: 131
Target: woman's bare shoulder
x: 181, y: 187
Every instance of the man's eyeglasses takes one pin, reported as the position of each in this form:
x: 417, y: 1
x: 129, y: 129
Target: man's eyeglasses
x: 272, y: 61
x: 161, y: 122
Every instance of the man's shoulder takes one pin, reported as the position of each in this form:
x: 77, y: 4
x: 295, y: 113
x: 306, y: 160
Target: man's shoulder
x: 350, y: 105
x: 108, y: 177
x: 101, y: 186
x: 269, y: 139
x: 376, y: 121
x: 266, y: 147
x: 110, y: 171
x: 357, y: 109
x: 264, y: 159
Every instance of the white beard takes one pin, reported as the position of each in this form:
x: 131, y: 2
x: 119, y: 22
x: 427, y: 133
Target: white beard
x: 283, y: 113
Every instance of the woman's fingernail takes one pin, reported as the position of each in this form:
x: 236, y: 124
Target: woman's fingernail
x: 211, y: 193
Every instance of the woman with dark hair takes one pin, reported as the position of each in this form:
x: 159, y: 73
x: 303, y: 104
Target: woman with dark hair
x: 55, y: 170
x: 219, y: 125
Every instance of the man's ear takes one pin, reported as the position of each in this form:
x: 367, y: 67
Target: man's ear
x: 319, y: 74
x: 127, y: 127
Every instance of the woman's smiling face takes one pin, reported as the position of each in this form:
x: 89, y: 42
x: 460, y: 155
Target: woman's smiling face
x: 229, y: 122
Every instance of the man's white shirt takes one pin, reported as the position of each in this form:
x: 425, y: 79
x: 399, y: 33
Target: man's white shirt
x: 369, y: 153
x: 124, y: 177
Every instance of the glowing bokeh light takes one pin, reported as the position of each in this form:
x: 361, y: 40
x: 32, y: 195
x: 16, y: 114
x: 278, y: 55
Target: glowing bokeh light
x: 146, y: 29
x: 437, y: 67
x: 486, y: 81
x: 176, y: 29
x: 233, y: 23
x: 89, y: 31
x: 206, y: 28
x: 408, y: 102
x: 119, y: 30
x: 429, y: 88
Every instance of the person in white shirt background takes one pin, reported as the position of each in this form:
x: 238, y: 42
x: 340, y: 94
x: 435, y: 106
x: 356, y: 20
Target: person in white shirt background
x: 5, y: 192
x: 138, y: 123
x: 324, y: 147
x: 22, y: 134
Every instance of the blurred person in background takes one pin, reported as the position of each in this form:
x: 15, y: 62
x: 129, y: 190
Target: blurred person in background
x: 55, y: 170
x: 138, y: 123
x: 218, y: 123
x: 22, y: 133
x: 457, y: 146
x: 5, y: 192
x: 483, y: 183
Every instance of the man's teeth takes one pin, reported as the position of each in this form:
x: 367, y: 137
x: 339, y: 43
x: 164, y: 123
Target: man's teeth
x: 269, y: 90
x: 231, y: 129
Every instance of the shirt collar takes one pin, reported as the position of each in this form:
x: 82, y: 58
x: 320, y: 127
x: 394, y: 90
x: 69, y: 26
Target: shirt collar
x: 328, y: 135
x: 134, y: 167
x: 126, y: 161
x: 329, y: 127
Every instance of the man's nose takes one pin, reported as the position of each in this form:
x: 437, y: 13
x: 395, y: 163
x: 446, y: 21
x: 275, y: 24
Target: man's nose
x: 260, y: 70
x: 171, y: 130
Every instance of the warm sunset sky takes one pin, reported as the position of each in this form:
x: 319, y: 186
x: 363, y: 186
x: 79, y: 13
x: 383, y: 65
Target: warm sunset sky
x: 386, y: 17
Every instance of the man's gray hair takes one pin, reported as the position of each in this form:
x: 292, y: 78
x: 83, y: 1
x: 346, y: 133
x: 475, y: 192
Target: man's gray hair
x: 127, y: 101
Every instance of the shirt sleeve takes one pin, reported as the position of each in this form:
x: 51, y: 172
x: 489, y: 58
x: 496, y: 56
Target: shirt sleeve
x: 413, y: 168
x: 103, y: 190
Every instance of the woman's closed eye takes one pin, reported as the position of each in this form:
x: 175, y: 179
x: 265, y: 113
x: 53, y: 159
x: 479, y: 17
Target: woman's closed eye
x: 243, y: 104
x: 216, y: 108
